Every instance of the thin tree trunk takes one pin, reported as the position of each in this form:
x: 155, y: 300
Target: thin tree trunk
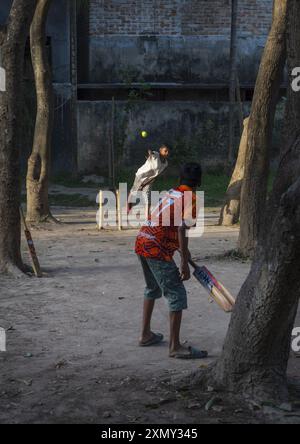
x: 13, y: 40
x: 230, y: 212
x: 261, y: 122
x: 257, y: 347
x: 37, y: 181
x: 232, y: 82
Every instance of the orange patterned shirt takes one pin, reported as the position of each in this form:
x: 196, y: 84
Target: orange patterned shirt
x: 158, y: 237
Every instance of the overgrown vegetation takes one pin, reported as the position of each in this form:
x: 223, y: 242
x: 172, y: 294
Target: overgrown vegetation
x: 68, y: 200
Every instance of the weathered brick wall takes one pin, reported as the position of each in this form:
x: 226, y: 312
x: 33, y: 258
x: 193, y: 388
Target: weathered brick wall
x: 177, y: 17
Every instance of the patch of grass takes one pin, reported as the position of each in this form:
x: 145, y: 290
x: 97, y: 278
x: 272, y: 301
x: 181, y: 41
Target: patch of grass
x: 67, y: 200
x: 66, y: 180
x: 70, y: 182
x: 214, y: 185
x: 70, y: 200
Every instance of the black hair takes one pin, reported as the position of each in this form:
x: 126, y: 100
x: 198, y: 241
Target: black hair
x: 191, y: 174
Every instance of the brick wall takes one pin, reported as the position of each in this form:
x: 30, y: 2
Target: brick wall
x: 177, y: 17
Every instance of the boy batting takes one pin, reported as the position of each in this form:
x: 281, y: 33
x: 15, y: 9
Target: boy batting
x: 156, y: 244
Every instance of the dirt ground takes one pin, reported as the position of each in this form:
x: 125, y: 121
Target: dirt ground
x: 72, y: 354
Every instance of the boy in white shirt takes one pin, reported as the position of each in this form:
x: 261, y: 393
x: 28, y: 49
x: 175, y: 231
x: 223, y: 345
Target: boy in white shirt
x: 154, y: 166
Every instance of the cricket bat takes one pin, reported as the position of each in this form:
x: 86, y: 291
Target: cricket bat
x: 217, y: 290
x: 35, y: 262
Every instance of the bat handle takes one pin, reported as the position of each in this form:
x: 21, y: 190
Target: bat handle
x: 22, y: 217
x: 193, y: 264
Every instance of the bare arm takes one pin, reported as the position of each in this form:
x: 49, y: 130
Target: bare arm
x: 184, y: 252
x: 149, y: 154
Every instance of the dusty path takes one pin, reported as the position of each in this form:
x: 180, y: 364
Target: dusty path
x: 72, y: 352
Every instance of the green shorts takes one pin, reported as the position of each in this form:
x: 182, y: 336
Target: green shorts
x: 163, y: 278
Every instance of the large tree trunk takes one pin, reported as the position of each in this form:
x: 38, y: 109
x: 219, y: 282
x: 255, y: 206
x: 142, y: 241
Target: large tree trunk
x: 13, y: 40
x: 230, y: 212
x: 257, y: 347
x: 232, y: 80
x: 38, y: 164
x: 261, y: 122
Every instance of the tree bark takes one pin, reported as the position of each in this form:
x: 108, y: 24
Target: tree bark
x: 230, y: 212
x: 261, y: 122
x: 232, y: 80
x: 13, y: 40
x: 37, y: 181
x: 257, y: 347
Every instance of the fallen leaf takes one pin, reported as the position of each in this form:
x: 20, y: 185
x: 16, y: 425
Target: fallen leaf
x: 214, y: 400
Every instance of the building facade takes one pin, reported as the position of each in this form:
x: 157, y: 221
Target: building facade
x: 123, y: 66
x: 166, y: 64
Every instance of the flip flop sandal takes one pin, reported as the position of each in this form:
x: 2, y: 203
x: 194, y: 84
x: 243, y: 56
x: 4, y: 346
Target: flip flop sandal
x: 190, y: 353
x: 156, y: 339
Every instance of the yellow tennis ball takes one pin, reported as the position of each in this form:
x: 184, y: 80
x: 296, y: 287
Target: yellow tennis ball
x: 144, y: 134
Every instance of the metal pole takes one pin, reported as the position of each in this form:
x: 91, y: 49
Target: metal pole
x: 100, y: 222
x: 113, y: 176
x: 119, y: 210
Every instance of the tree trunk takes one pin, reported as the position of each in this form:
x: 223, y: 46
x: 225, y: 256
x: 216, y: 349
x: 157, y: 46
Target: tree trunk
x: 37, y: 181
x: 233, y: 78
x: 230, y: 212
x: 254, y: 189
x: 257, y: 347
x: 13, y: 41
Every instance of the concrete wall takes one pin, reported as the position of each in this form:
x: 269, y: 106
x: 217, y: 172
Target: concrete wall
x: 166, y: 59
x: 166, y: 41
x: 4, y: 10
x: 58, y: 28
x: 195, y: 131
